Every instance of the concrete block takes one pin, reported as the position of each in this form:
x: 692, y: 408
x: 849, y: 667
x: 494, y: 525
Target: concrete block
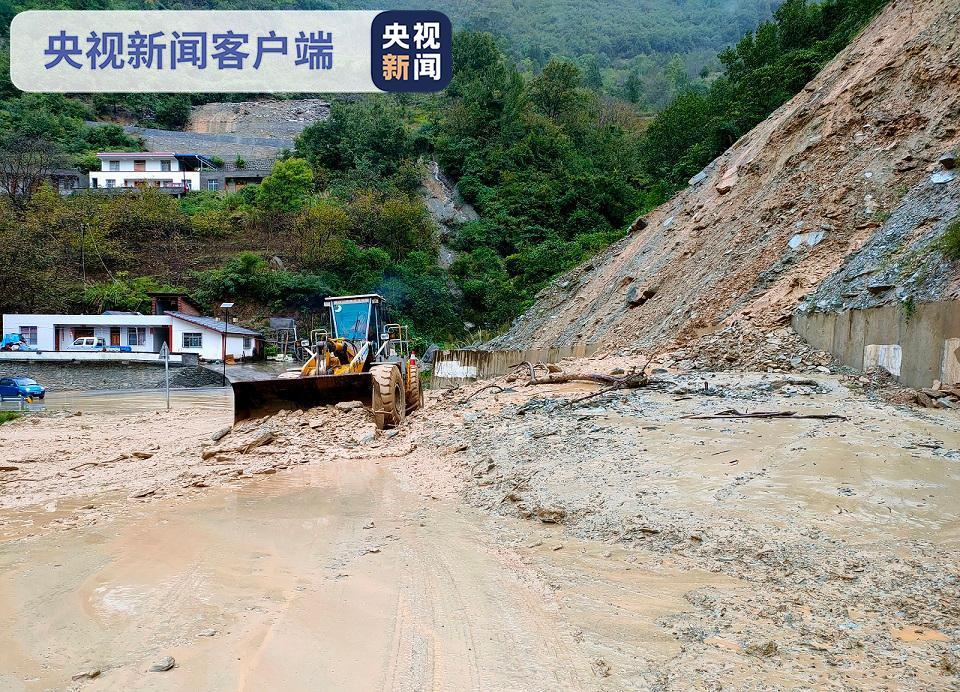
x: 887, y: 356
x: 950, y: 363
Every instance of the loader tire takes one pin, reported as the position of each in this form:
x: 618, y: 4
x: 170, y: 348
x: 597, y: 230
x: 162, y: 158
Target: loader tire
x: 414, y: 388
x: 389, y: 398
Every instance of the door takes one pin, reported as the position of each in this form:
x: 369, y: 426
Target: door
x: 7, y: 387
x: 114, y: 336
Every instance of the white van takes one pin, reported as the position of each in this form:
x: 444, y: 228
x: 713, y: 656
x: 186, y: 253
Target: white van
x: 88, y: 343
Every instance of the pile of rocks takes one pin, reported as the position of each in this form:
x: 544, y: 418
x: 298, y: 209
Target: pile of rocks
x: 276, y: 442
x: 939, y: 396
x: 743, y: 347
x: 879, y: 382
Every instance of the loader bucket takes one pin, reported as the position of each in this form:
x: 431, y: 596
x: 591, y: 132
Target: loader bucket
x: 259, y: 398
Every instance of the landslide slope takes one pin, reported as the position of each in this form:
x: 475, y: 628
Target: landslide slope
x: 783, y: 208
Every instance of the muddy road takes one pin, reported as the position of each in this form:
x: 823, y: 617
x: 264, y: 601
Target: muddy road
x: 511, y: 538
x: 328, y: 577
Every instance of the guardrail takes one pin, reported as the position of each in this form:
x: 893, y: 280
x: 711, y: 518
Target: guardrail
x: 22, y: 402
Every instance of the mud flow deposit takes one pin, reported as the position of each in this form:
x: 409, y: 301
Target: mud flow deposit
x: 508, y: 537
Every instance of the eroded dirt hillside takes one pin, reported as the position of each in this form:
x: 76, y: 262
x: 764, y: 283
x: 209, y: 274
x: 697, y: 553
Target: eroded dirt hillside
x: 784, y: 207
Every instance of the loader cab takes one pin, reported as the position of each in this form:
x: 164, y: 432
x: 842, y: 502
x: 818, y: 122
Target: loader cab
x: 362, y: 318
x: 356, y: 318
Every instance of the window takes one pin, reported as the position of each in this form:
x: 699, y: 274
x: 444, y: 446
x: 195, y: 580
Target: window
x: 247, y: 342
x: 213, y: 185
x: 350, y: 319
x: 140, y: 165
x: 29, y: 335
x: 114, y: 165
x: 136, y: 336
x: 164, y: 165
x: 111, y: 182
x: 188, y: 184
x: 96, y: 183
x: 192, y: 340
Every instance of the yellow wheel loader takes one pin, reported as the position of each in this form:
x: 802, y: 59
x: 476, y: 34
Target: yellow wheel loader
x: 361, y: 358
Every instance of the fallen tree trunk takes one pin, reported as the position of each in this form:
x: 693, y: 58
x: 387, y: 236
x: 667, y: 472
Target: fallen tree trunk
x: 628, y: 381
x: 734, y: 413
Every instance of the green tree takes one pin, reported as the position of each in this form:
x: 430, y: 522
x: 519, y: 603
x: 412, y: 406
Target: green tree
x: 321, y: 228
x: 488, y: 293
x: 287, y: 188
x: 592, y: 78
x: 368, y: 136
x: 555, y: 91
x: 632, y: 88
x: 676, y: 74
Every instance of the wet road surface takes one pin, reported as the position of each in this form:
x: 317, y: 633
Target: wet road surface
x: 328, y: 577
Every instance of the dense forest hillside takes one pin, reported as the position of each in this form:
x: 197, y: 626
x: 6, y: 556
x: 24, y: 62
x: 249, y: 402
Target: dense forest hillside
x: 642, y: 50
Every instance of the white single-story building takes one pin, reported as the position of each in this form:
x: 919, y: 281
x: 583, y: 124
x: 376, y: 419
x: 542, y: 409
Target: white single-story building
x: 149, y: 169
x: 183, y: 330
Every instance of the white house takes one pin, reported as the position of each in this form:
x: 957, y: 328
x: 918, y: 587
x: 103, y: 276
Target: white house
x: 149, y: 169
x: 184, y: 331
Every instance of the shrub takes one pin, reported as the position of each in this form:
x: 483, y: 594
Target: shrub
x: 287, y: 188
x: 950, y: 240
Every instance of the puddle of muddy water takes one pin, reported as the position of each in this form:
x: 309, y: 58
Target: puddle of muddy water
x: 861, y: 480
x: 126, y: 401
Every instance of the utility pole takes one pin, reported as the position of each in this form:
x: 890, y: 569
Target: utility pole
x: 83, y: 251
x: 226, y: 330
x: 165, y: 357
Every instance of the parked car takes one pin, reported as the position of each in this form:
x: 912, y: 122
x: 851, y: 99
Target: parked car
x: 88, y: 343
x: 12, y: 387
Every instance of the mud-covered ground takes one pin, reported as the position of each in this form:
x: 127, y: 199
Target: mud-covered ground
x: 839, y: 536
x: 510, y: 537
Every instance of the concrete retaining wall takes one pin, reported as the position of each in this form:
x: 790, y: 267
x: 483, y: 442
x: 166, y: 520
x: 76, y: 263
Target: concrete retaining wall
x: 460, y: 366
x: 59, y: 376
x: 918, y: 348
x: 95, y: 357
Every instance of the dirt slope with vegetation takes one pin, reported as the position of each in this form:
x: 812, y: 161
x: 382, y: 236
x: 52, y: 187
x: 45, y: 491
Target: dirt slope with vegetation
x: 785, y: 206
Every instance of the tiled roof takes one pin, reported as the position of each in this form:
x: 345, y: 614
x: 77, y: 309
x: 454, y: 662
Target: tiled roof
x: 214, y: 324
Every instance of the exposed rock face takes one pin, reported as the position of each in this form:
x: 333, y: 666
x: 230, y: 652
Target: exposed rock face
x: 258, y: 118
x: 255, y: 130
x: 826, y: 171
x: 902, y: 261
x: 447, y: 208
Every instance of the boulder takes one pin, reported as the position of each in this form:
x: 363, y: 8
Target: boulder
x: 550, y: 515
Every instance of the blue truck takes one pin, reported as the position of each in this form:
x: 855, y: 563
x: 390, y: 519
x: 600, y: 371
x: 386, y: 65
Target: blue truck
x: 16, y: 342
